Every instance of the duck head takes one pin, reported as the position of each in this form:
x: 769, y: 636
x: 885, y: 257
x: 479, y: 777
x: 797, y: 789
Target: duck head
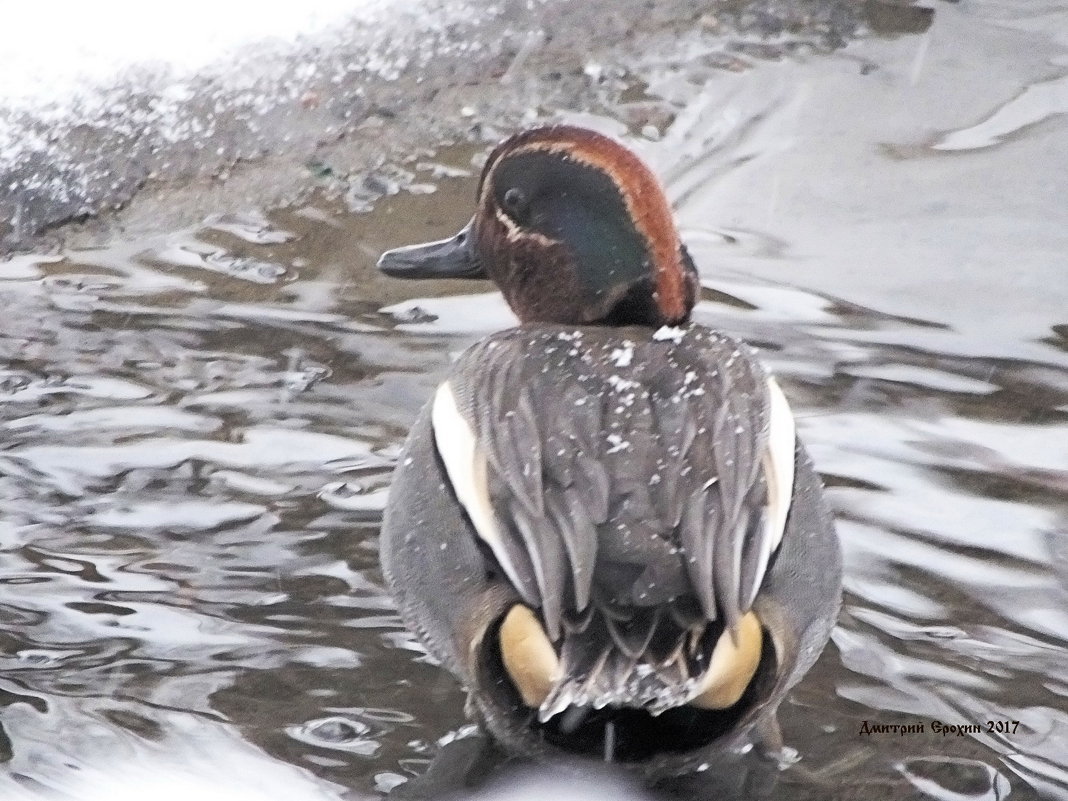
x: 573, y: 228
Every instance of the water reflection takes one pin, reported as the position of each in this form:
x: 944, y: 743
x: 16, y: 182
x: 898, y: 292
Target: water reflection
x: 198, y: 430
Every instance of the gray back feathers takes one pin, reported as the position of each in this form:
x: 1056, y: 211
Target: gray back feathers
x: 623, y: 466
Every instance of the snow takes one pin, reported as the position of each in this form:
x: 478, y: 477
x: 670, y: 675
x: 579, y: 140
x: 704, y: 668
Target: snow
x: 623, y: 356
x: 666, y: 332
x: 52, y: 53
x: 178, y: 89
x: 622, y: 384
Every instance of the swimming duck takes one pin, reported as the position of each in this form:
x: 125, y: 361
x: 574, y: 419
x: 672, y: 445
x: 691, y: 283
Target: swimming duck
x: 603, y: 523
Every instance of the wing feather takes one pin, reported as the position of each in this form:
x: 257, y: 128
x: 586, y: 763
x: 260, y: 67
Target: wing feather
x: 594, y: 486
x: 505, y: 416
x: 697, y: 529
x: 581, y: 542
x: 549, y: 562
x: 626, y: 483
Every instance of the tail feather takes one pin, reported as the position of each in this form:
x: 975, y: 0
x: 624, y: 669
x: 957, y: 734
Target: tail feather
x: 632, y: 636
x: 645, y: 660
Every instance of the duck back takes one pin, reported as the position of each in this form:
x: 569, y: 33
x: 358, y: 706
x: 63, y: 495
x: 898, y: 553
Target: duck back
x: 619, y: 488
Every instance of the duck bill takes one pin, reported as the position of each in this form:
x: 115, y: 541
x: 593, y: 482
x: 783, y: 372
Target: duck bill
x: 447, y: 258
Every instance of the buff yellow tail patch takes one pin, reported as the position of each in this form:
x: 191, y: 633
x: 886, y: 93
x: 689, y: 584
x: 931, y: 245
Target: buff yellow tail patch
x: 732, y: 666
x: 528, y: 656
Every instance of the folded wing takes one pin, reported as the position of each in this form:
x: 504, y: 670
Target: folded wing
x: 644, y: 478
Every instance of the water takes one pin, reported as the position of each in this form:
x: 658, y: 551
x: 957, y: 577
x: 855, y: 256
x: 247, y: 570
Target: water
x: 198, y: 429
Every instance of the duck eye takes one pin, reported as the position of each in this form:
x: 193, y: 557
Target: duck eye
x: 514, y: 199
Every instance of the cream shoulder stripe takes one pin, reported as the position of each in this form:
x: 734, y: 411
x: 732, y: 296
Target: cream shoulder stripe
x: 466, y: 468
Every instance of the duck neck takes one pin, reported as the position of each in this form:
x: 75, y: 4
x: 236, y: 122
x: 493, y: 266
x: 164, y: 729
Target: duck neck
x: 640, y: 306
x: 642, y: 303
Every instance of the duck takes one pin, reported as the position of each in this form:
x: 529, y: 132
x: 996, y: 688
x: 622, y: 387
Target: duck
x: 603, y: 523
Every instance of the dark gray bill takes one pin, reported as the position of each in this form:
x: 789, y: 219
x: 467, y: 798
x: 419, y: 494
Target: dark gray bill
x: 446, y: 258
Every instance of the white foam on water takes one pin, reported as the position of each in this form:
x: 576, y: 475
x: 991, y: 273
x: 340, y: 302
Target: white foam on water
x: 169, y: 782
x: 196, y: 758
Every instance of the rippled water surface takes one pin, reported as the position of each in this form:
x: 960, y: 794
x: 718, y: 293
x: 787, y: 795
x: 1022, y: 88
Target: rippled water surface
x: 198, y: 430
